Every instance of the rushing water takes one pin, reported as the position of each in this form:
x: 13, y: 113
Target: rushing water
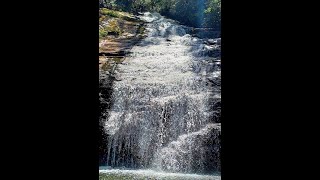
x: 165, y: 112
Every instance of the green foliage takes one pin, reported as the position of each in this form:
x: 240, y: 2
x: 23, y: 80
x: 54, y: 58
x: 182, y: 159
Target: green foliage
x: 102, y: 33
x: 213, y: 12
x: 213, y: 6
x: 109, y: 12
x: 110, y: 4
x: 116, y: 14
x: 196, y: 13
x: 113, y: 26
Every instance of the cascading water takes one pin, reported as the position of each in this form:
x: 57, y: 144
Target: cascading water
x: 165, y: 112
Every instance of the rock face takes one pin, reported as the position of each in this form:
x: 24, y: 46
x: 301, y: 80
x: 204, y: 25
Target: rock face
x: 112, y: 49
x: 165, y: 110
x: 120, y: 35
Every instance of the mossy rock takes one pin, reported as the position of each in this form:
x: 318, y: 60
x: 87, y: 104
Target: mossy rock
x: 117, y: 14
x: 102, y: 33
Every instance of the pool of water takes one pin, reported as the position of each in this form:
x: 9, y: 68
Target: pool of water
x: 124, y: 174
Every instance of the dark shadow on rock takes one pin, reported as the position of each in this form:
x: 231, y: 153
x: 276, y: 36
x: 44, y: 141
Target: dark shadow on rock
x: 105, y: 90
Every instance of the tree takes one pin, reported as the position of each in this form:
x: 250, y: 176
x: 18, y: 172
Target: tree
x: 196, y: 13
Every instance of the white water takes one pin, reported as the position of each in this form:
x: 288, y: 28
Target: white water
x: 163, y: 115
x: 139, y: 174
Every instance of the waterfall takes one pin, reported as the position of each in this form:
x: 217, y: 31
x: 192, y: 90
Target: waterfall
x: 165, y: 104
